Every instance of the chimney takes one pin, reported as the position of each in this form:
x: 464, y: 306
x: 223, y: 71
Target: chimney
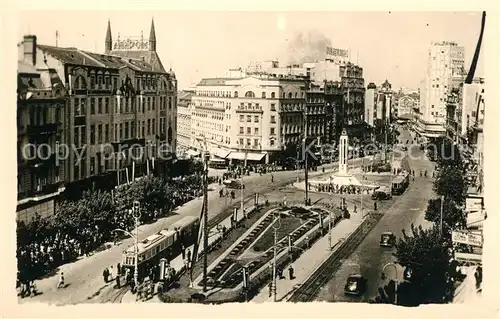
x: 29, y: 49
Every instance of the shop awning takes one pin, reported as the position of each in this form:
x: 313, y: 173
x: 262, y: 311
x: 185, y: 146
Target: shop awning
x: 249, y: 156
x: 219, y: 152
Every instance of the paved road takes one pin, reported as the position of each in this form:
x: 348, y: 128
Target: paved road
x: 85, y: 275
x: 369, y: 258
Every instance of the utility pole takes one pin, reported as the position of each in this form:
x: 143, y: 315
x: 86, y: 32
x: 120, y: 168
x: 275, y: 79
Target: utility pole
x: 275, y: 228
x: 330, y: 228
x: 205, y: 214
x: 306, y: 179
x: 136, y: 210
x: 241, y: 196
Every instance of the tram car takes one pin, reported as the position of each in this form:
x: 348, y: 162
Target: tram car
x: 400, y: 183
x: 166, y: 243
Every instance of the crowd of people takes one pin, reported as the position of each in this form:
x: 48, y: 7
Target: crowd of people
x: 44, y: 245
x: 337, y: 189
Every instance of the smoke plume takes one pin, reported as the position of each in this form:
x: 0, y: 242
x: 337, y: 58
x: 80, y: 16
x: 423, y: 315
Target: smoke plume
x: 307, y: 47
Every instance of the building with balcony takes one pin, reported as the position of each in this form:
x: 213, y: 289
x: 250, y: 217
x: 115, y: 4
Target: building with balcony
x: 41, y: 98
x: 118, y: 104
x: 248, y: 116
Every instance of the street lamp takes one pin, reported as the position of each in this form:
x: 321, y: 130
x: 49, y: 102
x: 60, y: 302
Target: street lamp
x: 395, y: 280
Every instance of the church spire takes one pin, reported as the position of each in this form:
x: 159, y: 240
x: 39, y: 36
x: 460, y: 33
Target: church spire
x: 109, y: 41
x: 152, y: 37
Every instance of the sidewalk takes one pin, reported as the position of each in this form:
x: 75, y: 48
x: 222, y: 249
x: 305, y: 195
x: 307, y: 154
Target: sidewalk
x: 178, y: 263
x: 309, y: 261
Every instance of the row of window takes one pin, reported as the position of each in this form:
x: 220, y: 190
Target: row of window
x: 104, y: 82
x: 249, y: 118
x: 39, y: 115
x: 100, y: 105
x: 249, y: 94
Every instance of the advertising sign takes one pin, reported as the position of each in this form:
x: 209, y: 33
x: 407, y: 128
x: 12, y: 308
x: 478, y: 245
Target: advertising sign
x: 473, y: 204
x: 337, y: 52
x: 467, y: 238
x: 465, y: 257
x: 131, y: 44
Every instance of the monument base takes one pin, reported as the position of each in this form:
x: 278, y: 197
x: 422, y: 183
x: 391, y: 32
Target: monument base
x: 344, y: 180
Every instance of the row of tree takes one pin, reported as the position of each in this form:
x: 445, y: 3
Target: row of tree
x: 425, y: 253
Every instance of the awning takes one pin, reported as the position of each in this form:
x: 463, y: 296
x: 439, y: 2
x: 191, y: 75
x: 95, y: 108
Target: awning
x: 249, y: 156
x: 219, y: 152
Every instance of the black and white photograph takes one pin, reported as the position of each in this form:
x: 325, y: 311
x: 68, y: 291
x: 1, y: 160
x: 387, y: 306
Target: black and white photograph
x: 259, y: 157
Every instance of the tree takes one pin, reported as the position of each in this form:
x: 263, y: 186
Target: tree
x: 452, y: 215
x: 425, y: 252
x: 450, y: 182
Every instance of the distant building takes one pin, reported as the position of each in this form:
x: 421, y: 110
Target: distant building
x: 370, y: 102
x: 184, y: 111
x: 41, y: 98
x: 445, y: 69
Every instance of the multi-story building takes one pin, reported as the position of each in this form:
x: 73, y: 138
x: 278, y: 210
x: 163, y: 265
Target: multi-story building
x: 370, y: 104
x: 445, y: 69
x: 248, y: 117
x: 184, y: 111
x: 41, y: 97
x: 316, y: 112
x: 119, y: 105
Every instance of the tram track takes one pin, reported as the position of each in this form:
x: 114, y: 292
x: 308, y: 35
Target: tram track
x: 310, y: 288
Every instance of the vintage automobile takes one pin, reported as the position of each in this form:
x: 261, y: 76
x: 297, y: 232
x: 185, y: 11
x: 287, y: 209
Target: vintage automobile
x: 355, y: 285
x: 382, y: 193
x: 387, y: 239
x: 234, y: 183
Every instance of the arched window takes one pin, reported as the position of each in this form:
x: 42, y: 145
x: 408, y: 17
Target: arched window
x: 80, y: 82
x: 263, y: 95
x: 290, y: 95
x: 249, y: 94
x: 273, y: 95
x: 296, y: 94
x: 235, y: 93
x: 284, y: 95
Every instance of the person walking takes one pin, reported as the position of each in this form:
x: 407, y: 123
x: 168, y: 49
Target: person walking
x: 119, y: 269
x: 111, y: 273
x: 105, y: 275
x: 118, y: 282
x: 270, y: 288
x: 290, y: 272
x: 61, y: 281
x: 188, y: 255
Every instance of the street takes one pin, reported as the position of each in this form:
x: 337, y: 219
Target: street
x: 369, y: 259
x: 84, y: 277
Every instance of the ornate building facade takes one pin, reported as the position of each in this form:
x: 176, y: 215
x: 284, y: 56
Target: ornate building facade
x: 120, y: 108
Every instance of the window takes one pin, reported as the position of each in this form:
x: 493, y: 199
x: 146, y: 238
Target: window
x: 122, y: 133
x: 256, y: 142
x: 106, y: 105
x: 437, y: 85
x: 92, y: 165
x: 290, y: 95
x: 249, y: 94
x: 92, y: 81
x: 235, y: 93
x: 256, y: 131
x: 272, y: 131
x: 249, y: 118
x: 148, y: 103
x: 99, y: 106
x: 263, y: 95
x: 92, y: 105
x: 273, y: 107
x: 241, y: 141
x: 241, y: 130
x: 92, y: 134
x: 83, y: 136
x: 143, y: 128
x: 116, y: 132
x: 273, y: 119
x: 154, y: 126
x: 242, y: 118
x: 249, y: 130
x: 149, y: 127
x: 256, y: 119
x: 126, y: 130
x: 99, y: 134
x: 432, y: 106
x: 153, y: 105
x: 106, y: 133
x: 273, y: 95
x: 132, y: 124
x: 271, y: 142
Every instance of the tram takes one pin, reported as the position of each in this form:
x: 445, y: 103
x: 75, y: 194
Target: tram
x: 166, y: 243
x: 400, y: 183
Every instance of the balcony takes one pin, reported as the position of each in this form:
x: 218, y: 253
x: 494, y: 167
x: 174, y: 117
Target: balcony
x: 45, y: 129
x: 246, y: 109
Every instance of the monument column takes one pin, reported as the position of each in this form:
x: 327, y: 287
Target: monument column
x: 343, y: 153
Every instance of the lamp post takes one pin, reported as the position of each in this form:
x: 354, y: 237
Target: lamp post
x: 206, y: 156
x: 276, y: 225
x: 395, y: 280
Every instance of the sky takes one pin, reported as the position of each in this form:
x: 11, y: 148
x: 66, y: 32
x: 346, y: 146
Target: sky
x: 197, y: 44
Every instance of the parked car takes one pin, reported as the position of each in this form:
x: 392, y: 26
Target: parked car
x: 234, y: 183
x: 355, y: 285
x: 387, y: 239
x: 382, y: 193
